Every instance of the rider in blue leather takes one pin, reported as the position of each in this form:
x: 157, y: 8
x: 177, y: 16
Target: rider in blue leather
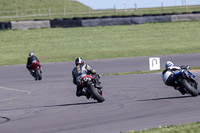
x: 170, y: 73
x: 80, y: 69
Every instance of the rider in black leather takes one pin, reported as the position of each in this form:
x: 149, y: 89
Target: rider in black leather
x: 82, y: 68
x: 30, y: 59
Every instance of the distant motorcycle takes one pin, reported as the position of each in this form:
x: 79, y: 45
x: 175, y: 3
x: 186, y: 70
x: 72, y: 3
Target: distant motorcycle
x: 87, y: 82
x: 187, y: 82
x: 37, y: 71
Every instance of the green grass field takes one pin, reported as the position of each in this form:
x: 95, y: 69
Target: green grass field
x: 186, y: 128
x: 9, y: 5
x: 65, y: 44
x: 36, y: 7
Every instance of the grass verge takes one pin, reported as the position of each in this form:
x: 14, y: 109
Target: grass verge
x: 65, y: 44
x: 185, y: 128
x: 133, y: 72
x: 144, y: 72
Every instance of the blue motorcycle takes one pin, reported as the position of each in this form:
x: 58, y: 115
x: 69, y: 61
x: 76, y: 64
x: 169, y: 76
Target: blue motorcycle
x: 187, y: 82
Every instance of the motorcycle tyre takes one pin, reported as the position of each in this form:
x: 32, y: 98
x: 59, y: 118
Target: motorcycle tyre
x: 189, y: 88
x: 39, y: 74
x: 36, y: 75
x: 95, y: 94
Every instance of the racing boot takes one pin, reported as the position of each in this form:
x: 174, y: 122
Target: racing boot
x: 97, y: 84
x: 84, y: 93
x: 178, y: 87
x: 181, y: 91
x: 87, y: 95
x: 32, y: 73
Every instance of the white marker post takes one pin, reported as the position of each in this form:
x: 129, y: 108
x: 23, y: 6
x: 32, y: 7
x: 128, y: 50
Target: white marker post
x: 154, y: 63
x: 124, y: 6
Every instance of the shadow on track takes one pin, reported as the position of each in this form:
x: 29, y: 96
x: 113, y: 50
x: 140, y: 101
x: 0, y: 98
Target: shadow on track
x: 4, y: 119
x: 51, y: 106
x: 164, y: 98
x: 63, y: 105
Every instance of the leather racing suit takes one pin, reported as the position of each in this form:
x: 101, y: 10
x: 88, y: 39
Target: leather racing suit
x: 80, y: 70
x: 169, y: 75
x: 29, y: 63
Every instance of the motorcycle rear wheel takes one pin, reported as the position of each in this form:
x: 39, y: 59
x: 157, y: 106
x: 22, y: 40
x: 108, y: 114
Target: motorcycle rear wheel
x: 39, y: 74
x: 95, y: 94
x: 189, y: 88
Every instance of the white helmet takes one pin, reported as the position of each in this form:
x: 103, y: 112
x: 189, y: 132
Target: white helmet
x: 168, y: 64
x: 31, y: 54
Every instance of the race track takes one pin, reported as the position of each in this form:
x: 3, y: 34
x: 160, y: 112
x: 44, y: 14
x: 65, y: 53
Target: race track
x: 133, y: 102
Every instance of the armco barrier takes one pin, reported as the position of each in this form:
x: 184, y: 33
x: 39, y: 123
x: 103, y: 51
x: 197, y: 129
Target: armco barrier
x: 185, y: 17
x: 66, y: 23
x: 24, y: 25
x: 147, y: 19
x: 106, y: 22
x: 5, y: 25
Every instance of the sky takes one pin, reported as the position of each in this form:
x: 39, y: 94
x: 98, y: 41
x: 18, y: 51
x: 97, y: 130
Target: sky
x: 120, y: 4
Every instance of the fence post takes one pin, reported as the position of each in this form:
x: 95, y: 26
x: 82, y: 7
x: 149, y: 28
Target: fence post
x: 124, y: 6
x: 64, y: 11
x: 89, y: 11
x: 186, y: 7
x: 136, y: 7
x: 114, y: 9
x: 39, y: 12
x: 17, y: 15
x: 49, y: 11
x: 162, y: 7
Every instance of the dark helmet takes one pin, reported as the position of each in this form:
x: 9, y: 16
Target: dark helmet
x: 30, y: 54
x: 79, y: 61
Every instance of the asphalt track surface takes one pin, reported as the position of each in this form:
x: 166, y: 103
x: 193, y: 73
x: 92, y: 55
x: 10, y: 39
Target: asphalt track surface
x: 133, y: 102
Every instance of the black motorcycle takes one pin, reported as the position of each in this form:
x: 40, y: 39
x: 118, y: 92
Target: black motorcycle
x: 88, y: 84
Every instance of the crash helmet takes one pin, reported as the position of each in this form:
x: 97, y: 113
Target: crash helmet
x: 79, y: 61
x: 30, y: 54
x: 168, y: 64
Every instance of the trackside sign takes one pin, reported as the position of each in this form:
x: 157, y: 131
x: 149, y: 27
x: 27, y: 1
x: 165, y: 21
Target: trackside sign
x: 154, y: 63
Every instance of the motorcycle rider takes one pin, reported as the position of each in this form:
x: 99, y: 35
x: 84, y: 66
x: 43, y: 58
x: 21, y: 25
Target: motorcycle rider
x: 82, y: 68
x: 170, y: 73
x: 30, y: 59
